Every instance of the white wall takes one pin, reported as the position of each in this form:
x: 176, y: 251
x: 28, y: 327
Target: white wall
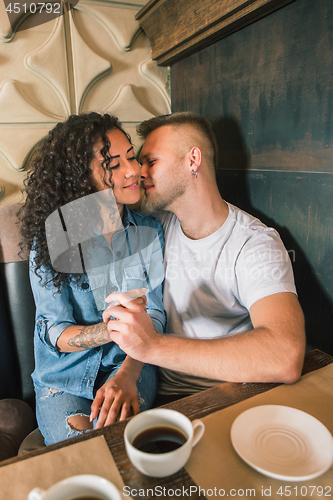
x: 93, y: 58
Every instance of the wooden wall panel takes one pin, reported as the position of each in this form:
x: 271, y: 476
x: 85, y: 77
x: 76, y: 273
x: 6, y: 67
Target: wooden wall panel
x: 275, y: 78
x: 177, y: 28
x: 268, y: 91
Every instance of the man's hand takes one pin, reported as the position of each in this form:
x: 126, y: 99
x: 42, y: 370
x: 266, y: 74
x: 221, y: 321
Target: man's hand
x: 132, y: 329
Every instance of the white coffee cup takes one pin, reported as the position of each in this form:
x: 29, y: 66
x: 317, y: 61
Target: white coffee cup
x: 75, y: 487
x: 161, y: 464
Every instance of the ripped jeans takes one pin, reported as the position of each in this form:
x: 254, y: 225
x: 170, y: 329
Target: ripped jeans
x: 53, y: 407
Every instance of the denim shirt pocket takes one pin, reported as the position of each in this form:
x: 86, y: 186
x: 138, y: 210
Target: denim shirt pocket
x: 136, y: 276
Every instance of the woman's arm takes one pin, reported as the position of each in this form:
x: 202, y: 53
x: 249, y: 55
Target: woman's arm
x: 82, y: 337
x: 118, y: 397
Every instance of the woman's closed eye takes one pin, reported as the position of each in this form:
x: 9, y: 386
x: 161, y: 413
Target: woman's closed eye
x: 112, y: 167
x: 113, y: 163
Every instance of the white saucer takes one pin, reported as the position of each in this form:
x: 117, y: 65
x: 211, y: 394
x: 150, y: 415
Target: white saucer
x: 283, y: 442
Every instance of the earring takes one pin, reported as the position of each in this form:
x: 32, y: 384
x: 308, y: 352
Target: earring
x: 194, y: 173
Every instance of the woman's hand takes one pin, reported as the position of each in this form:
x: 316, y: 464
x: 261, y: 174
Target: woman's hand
x: 136, y: 296
x: 118, y: 397
x: 141, y: 301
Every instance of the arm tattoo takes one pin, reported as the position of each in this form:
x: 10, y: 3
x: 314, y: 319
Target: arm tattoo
x: 91, y: 336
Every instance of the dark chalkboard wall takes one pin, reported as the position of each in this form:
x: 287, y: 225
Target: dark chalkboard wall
x: 268, y: 90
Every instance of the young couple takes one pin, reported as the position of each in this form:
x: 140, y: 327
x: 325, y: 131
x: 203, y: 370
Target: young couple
x: 231, y: 304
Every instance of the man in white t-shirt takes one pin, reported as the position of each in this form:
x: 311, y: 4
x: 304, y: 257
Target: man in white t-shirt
x: 229, y: 292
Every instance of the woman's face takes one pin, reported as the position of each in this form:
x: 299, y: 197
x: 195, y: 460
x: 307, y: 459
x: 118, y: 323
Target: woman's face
x: 124, y: 166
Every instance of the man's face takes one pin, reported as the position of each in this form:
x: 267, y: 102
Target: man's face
x: 163, y: 173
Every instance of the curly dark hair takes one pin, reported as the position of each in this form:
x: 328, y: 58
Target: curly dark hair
x: 60, y: 172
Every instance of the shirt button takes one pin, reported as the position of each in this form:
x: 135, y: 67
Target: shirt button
x: 85, y: 286
x: 118, y: 254
x: 145, y: 274
x: 113, y: 289
x: 40, y: 322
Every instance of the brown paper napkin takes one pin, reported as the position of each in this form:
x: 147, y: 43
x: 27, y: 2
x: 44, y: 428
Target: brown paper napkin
x: 215, y: 464
x: 88, y: 457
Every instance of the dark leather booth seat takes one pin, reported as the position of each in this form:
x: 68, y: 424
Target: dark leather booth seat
x: 17, y: 309
x: 17, y: 317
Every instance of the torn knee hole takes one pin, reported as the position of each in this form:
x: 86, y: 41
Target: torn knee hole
x: 51, y: 393
x: 79, y: 422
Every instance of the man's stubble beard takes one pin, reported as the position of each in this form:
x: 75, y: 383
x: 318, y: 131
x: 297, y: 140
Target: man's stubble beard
x: 163, y: 197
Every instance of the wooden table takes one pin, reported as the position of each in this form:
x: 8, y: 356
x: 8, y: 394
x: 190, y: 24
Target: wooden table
x: 195, y: 406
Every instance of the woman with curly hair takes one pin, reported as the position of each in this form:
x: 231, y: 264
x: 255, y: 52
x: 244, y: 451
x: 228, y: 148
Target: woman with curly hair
x: 76, y: 363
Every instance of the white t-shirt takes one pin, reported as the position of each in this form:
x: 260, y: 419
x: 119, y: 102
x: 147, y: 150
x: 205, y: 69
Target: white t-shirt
x: 211, y: 283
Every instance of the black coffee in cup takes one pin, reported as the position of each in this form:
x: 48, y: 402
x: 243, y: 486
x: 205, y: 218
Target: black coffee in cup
x: 161, y: 439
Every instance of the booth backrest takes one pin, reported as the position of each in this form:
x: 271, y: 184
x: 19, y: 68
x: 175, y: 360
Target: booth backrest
x: 17, y: 312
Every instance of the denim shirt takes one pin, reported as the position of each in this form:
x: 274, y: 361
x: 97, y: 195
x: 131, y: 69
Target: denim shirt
x: 135, y: 261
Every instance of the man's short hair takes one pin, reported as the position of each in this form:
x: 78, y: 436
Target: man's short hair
x: 197, y: 122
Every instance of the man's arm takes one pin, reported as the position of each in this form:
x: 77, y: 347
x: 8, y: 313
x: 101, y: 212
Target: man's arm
x: 272, y: 352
